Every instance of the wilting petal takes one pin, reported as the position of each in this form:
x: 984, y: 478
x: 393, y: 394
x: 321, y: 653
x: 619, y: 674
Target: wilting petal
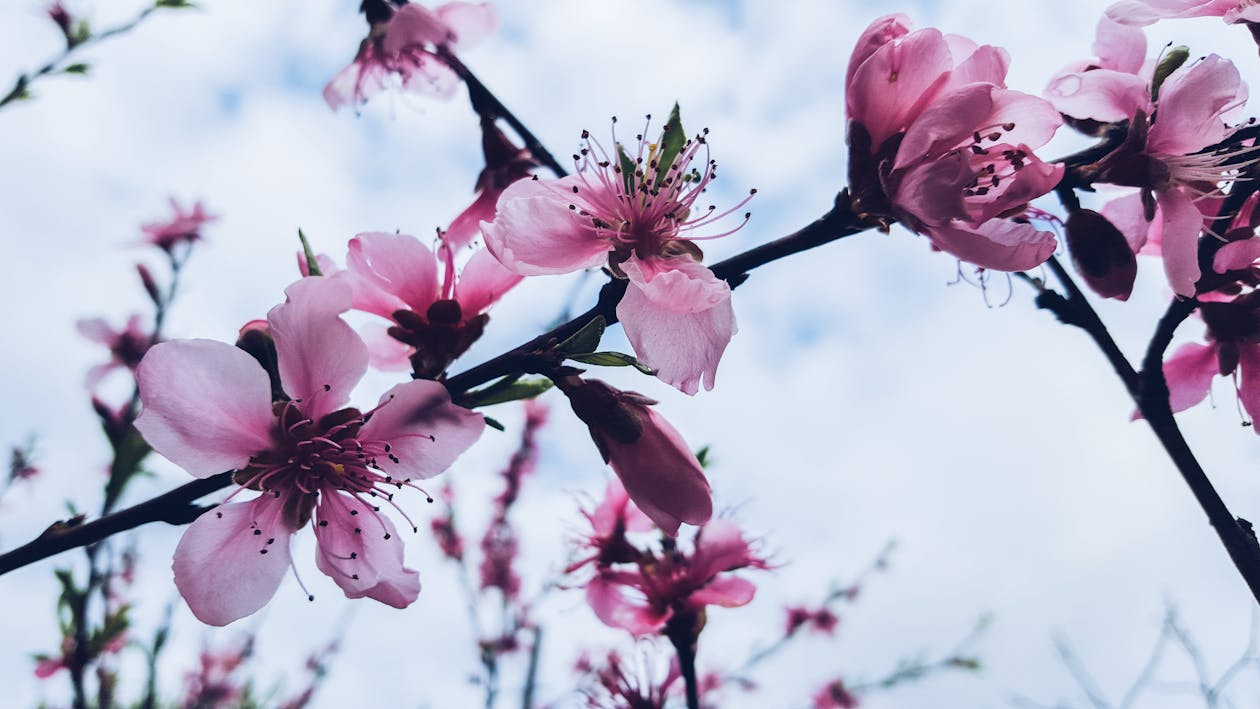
x: 360, y: 550
x: 1180, y: 244
x: 1192, y: 104
x: 482, y: 282
x: 890, y: 88
x: 424, y: 430
x: 207, y: 405
x: 679, y: 322
x: 1189, y: 372
x: 535, y: 233
x: 998, y: 244
x: 394, y: 264
x: 321, y: 357
x: 725, y: 591
x: 608, y: 599
x: 230, y: 561
x: 470, y: 22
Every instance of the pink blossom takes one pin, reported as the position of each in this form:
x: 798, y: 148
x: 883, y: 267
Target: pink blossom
x: 444, y: 530
x: 1145, y: 12
x: 620, y: 683
x: 642, y: 600
x: 505, y: 163
x: 650, y: 457
x: 676, y: 313
x: 60, y: 16
x: 820, y: 620
x: 126, y: 346
x: 499, y: 545
x: 435, y: 319
x: 939, y: 143
x: 184, y: 227
x: 835, y: 696
x: 611, y: 520
x: 1163, y: 153
x: 404, y: 49
x: 208, y: 408
x: 1232, y: 350
x: 214, y: 684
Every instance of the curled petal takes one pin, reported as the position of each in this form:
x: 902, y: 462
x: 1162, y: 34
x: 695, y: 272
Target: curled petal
x: 1237, y: 255
x: 679, y: 319
x: 535, y: 233
x: 467, y: 225
x: 424, y: 430
x: 321, y: 357
x: 207, y: 405
x: 230, y: 561
x: 360, y: 550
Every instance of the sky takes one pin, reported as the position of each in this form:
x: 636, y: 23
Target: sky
x: 869, y: 395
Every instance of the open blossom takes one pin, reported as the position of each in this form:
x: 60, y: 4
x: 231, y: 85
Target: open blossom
x: 642, y: 224
x: 208, y: 408
x: 939, y: 143
x: 1145, y: 12
x: 614, y: 517
x: 648, y: 455
x: 184, y: 227
x: 126, y: 346
x: 402, y: 48
x: 435, y: 318
x: 1163, y: 153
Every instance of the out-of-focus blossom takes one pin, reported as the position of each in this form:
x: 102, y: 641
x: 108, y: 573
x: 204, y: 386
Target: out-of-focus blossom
x: 21, y: 464
x: 403, y: 48
x: 638, y: 682
x: 499, y: 544
x: 611, y: 520
x: 61, y: 17
x: 638, y: 212
x: 183, y: 228
x: 436, y: 318
x: 940, y: 144
x: 1163, y: 154
x: 819, y: 620
x: 126, y: 346
x: 208, y: 408
x: 214, y: 685
x: 835, y: 696
x: 444, y: 529
x: 658, y: 470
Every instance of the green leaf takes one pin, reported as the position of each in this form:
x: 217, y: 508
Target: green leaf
x: 81, y: 33
x: 672, y: 143
x: 1171, y: 61
x: 703, y: 457
x: 80, y: 68
x: 494, y: 423
x: 173, y: 4
x: 312, y: 264
x: 612, y: 359
x: 586, y: 339
x: 627, y: 169
x: 515, y: 391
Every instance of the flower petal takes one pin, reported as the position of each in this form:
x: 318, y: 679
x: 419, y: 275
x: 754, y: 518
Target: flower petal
x: 384, y: 352
x: 1189, y: 372
x: 231, y: 559
x: 998, y: 244
x: 321, y: 357
x: 361, y: 551
x: 611, y: 605
x: 880, y: 32
x: 725, y: 591
x: 1192, y: 104
x: 425, y: 431
x: 890, y: 88
x: 535, y: 233
x: 207, y: 405
x: 470, y: 22
x: 482, y: 282
x: 1180, y: 243
x: 392, y: 272
x: 1249, y: 379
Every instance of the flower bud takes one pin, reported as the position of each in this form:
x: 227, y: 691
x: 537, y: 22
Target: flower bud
x: 1101, y: 254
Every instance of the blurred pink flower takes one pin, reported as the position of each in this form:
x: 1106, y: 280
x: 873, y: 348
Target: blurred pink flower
x: 404, y: 47
x: 835, y: 696
x: 636, y: 213
x: 184, y: 227
x: 820, y: 620
x: 938, y: 142
x: 208, y: 408
x: 126, y: 346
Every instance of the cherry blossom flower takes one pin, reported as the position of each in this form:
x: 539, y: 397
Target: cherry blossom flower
x: 183, y: 228
x: 648, y: 455
x: 614, y: 517
x: 1164, y: 151
x: 1145, y: 12
x: 402, y: 49
x: 637, y: 212
x: 435, y: 319
x: 820, y: 620
x: 126, y: 346
x: 640, y: 681
x: 505, y: 163
x: 940, y: 144
x: 835, y: 696
x: 208, y: 408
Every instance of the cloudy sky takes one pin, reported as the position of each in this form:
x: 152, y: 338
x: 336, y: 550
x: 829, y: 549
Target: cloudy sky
x: 868, y: 396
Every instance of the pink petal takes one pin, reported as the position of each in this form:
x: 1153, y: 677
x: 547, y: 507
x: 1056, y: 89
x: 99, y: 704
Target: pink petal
x: 1013, y: 193
x: 535, y: 233
x: 207, y: 405
x: 482, y: 282
x: 467, y: 226
x: 1242, y: 14
x: 392, y: 272
x: 720, y: 547
x: 359, y: 81
x: 1145, y: 12
x: 320, y: 356
x: 1033, y: 120
x: 1189, y: 372
x: 415, y: 25
x: 617, y: 511
x: 880, y: 32
x: 384, y: 352
x: 611, y: 606
x: 946, y: 124
x: 1127, y: 214
x: 425, y: 431
x: 890, y: 88
x: 230, y: 561
x: 1237, y: 255
x: 1180, y: 244
x: 661, y: 474
x: 1119, y: 47
x: 1249, y: 379
x: 1192, y: 103
x: 932, y: 191
x: 998, y: 244
x: 725, y: 591
x: 97, y: 330
x: 425, y: 74
x: 470, y: 22
x: 982, y: 64
x: 360, y: 550
x: 1102, y: 94
x: 678, y: 319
